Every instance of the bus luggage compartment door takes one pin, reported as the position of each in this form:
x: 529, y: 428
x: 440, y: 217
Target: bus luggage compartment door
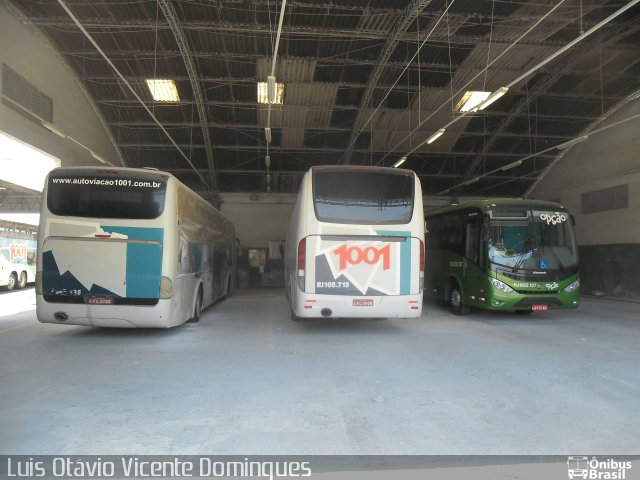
x: 104, y: 271
x: 363, y: 265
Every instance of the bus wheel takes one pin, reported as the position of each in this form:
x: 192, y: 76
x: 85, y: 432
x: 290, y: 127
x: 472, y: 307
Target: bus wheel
x: 296, y: 318
x: 23, y: 280
x: 455, y: 302
x: 524, y: 312
x: 13, y: 279
x: 197, y: 310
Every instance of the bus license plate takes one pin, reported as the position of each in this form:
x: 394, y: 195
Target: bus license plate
x: 99, y: 300
x: 539, y: 308
x: 363, y: 302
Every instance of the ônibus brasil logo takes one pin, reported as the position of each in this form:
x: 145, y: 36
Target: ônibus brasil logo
x: 370, y: 256
x: 594, y: 469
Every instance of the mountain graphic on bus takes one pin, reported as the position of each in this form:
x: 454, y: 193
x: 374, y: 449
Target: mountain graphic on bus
x: 119, y: 262
x: 66, y: 284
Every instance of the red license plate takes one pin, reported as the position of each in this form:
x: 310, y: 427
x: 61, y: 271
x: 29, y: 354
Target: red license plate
x: 364, y: 302
x: 98, y: 300
x: 539, y: 308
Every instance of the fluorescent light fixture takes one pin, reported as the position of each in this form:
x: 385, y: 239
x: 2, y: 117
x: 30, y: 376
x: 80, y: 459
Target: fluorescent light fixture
x: 52, y: 128
x: 470, y: 100
x: 515, y: 164
x: 435, y: 136
x: 263, y: 93
x: 492, y: 98
x: 163, y: 90
x: 271, y: 88
x: 572, y: 142
x: 267, y: 134
x: 400, y: 162
x: 24, y: 165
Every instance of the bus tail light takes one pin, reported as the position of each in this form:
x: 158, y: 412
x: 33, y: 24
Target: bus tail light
x: 166, y: 287
x: 38, y: 283
x: 302, y: 252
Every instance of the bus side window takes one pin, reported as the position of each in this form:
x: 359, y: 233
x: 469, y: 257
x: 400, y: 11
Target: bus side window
x: 472, y: 244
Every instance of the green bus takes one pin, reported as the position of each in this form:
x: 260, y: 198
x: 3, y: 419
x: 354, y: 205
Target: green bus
x: 502, y: 254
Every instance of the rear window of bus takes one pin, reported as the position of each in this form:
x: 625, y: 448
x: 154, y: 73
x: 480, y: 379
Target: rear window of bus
x: 102, y: 195
x: 363, y: 197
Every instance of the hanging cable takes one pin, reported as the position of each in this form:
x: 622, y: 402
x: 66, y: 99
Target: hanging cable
x: 531, y: 70
x: 560, y: 146
x: 481, y: 72
x: 272, y: 93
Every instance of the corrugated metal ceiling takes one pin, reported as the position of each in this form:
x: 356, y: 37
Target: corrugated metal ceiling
x: 327, y: 57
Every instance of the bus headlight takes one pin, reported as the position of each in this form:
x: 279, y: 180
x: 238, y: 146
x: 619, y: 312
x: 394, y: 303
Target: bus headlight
x: 503, y: 287
x: 572, y: 286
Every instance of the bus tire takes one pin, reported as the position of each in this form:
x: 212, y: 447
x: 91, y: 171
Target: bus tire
x: 455, y: 301
x: 524, y: 312
x: 13, y: 279
x: 296, y: 318
x: 197, y: 309
x: 23, y: 280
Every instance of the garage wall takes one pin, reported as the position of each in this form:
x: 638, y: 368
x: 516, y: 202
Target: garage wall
x: 598, y: 180
x: 30, y: 57
x: 260, y: 220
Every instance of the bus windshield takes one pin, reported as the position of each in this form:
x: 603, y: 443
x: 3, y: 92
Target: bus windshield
x: 131, y: 195
x: 540, y: 240
x: 362, y: 197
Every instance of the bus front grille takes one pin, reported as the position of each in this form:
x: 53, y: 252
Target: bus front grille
x: 528, y: 302
x: 537, y: 292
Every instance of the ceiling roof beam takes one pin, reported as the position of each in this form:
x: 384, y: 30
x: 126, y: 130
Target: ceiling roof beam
x: 166, y: 146
x: 400, y: 28
x: 539, y: 89
x: 126, y: 25
x: 140, y: 126
x: 230, y: 171
x: 187, y: 56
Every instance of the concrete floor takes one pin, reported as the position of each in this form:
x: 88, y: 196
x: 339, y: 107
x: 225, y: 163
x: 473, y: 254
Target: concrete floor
x: 247, y: 380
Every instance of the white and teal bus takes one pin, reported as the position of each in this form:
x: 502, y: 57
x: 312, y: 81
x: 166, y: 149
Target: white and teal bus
x: 355, y: 244
x: 123, y: 247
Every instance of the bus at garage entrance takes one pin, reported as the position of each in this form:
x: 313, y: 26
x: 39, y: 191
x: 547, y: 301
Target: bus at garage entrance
x: 17, y: 254
x: 502, y: 254
x: 123, y: 247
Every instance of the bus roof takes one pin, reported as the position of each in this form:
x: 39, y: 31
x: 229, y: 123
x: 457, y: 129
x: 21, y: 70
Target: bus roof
x: 364, y: 168
x: 484, y: 204
x: 110, y: 169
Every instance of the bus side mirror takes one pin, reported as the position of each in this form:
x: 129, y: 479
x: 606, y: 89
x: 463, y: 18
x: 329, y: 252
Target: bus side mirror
x: 485, y: 229
x: 573, y: 220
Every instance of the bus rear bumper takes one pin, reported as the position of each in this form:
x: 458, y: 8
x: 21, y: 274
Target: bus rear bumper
x: 116, y: 316
x: 344, y: 306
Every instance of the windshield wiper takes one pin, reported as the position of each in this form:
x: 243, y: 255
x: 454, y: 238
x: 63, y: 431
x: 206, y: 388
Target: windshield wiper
x: 521, y: 258
x: 519, y: 262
